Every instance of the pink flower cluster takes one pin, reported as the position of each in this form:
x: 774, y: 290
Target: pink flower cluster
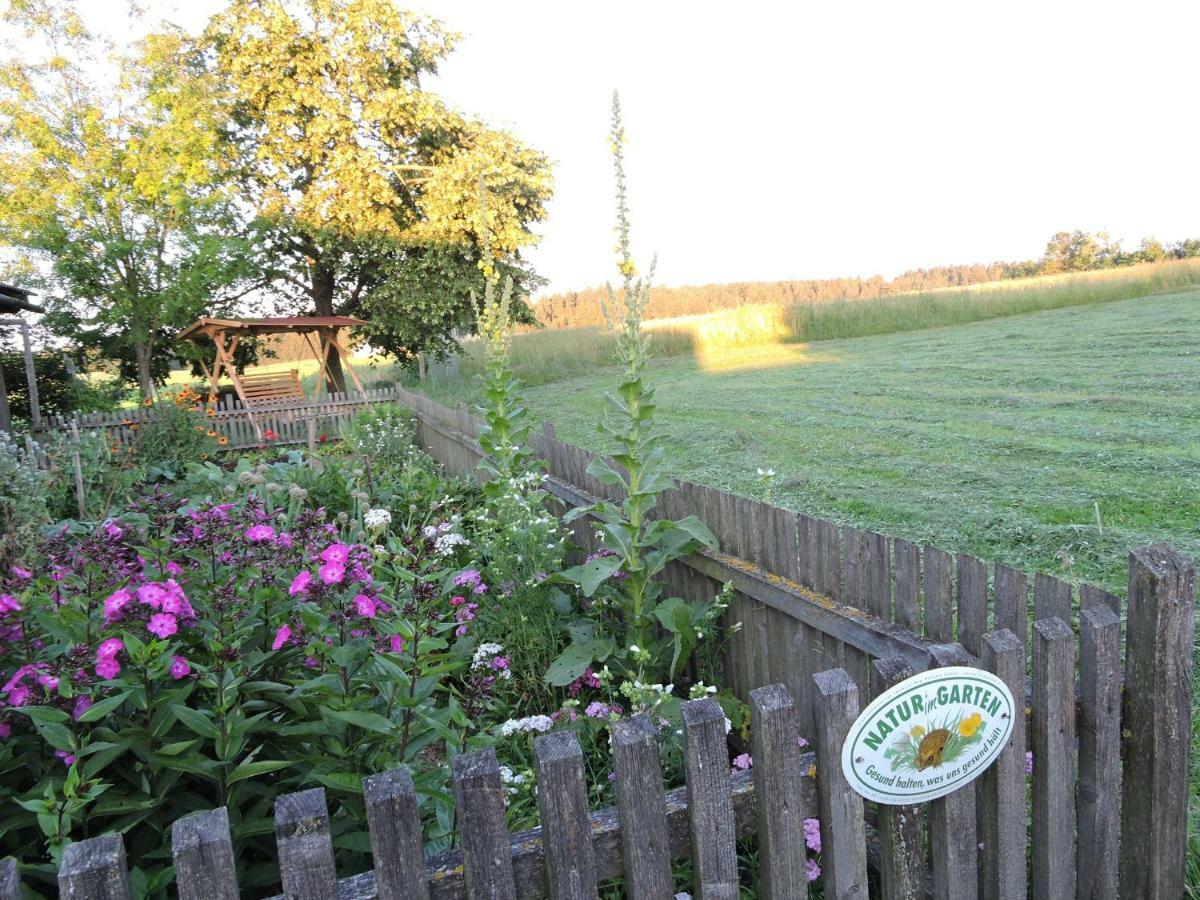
x: 598, y: 710
x: 163, y: 602
x: 464, y: 612
x: 588, y: 679
x: 471, y: 579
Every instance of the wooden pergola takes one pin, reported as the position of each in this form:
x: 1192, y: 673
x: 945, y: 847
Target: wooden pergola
x: 271, y: 388
x: 16, y: 300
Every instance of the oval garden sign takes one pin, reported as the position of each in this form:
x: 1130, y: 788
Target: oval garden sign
x: 928, y: 736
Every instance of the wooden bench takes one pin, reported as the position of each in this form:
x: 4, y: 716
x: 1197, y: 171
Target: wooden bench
x: 266, y: 388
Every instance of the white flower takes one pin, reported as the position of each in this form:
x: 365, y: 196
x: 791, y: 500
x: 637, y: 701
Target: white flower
x: 528, y: 724
x: 377, y: 518
x: 445, y: 543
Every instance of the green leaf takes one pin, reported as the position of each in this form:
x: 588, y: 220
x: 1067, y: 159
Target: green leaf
x: 44, y: 714
x: 256, y: 768
x: 364, y: 719
x: 592, y: 574
x: 195, y: 720
x: 103, y: 707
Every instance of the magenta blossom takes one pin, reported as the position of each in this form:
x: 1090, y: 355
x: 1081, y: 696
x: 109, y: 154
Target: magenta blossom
x: 365, y: 606
x: 336, y: 554
x: 110, y: 648
x: 82, y: 705
x: 108, y: 667
x: 22, y: 573
x: 180, y: 668
x: 8, y: 603
x: 332, y: 573
x: 300, y: 583
x: 162, y: 624
x: 259, y: 533
x: 470, y: 577
x: 152, y: 594
x: 743, y: 762
x: 114, y: 604
x: 67, y: 758
x: 281, y: 637
x: 396, y: 644
x: 113, y: 530
x: 173, y: 568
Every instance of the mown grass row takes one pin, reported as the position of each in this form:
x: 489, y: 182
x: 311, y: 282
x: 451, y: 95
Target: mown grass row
x: 550, y: 356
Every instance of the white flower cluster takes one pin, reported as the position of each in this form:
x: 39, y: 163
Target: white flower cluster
x: 528, y: 725
x: 512, y: 780
x: 445, y: 543
x: 377, y: 518
x: 483, y: 655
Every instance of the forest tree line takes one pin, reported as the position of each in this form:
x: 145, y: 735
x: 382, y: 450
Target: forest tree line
x: 1067, y: 251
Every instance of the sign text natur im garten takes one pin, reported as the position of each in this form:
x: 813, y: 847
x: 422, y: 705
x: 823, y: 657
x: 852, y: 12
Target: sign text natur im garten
x: 928, y: 736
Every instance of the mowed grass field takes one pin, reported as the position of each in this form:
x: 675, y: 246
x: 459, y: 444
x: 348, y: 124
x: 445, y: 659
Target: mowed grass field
x: 1053, y: 441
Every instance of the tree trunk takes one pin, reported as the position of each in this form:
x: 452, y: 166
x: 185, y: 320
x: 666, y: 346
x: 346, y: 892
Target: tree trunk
x: 142, y: 356
x: 322, y: 294
x: 5, y: 414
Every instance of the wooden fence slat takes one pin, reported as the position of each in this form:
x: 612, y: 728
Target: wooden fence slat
x: 854, y: 587
x: 830, y: 559
x: 1053, y: 835
x: 937, y: 568
x: 1012, y: 602
x: 952, y: 819
x: 95, y: 869
x: 479, y: 798
x: 395, y: 828
x: 203, y: 854
x: 10, y: 879
x: 972, y: 595
x: 1090, y: 595
x: 305, y: 846
x: 1099, y: 750
x: 901, y: 828
x: 1002, y: 817
x: 710, y: 805
x: 563, y: 812
x: 877, y: 575
x: 907, y: 567
x: 642, y: 809
x: 1051, y: 599
x: 776, y: 752
x: 1160, y: 633
x: 843, y: 836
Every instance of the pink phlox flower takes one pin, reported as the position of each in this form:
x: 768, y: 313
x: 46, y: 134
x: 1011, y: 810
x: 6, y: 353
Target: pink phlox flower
x: 180, y: 668
x: 396, y: 643
x: 469, y: 577
x: 162, y: 624
x: 801, y: 741
x: 173, y: 568
x: 108, y: 668
x: 500, y: 663
x: 257, y: 534
x: 110, y: 648
x: 596, y: 710
x: 67, y: 758
x: 311, y: 662
x: 300, y: 583
x: 457, y: 600
x: 152, y: 594
x: 812, y: 835
x: 812, y: 870
x: 1029, y: 762
x: 285, y: 541
x: 82, y: 705
x: 112, y: 530
x: 336, y: 553
x: 365, y: 606
x: 743, y: 762
x: 480, y: 588
x: 22, y: 573
x: 8, y: 603
x: 281, y: 637
x: 332, y: 573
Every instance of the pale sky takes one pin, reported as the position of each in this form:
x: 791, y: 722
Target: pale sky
x: 775, y: 140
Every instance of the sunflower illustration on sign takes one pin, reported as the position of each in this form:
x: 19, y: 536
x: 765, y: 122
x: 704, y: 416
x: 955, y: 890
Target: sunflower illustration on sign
x: 935, y: 744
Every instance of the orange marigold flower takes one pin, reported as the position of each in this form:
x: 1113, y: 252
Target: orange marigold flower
x: 222, y: 440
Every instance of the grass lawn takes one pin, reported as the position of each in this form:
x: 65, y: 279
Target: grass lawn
x: 998, y: 438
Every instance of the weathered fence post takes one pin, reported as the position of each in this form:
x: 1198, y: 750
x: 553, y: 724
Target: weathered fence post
x: 563, y: 809
x: 1159, y: 637
x: 642, y: 809
x: 952, y: 823
x: 305, y: 846
x: 710, y: 807
x: 203, y: 855
x: 487, y: 850
x: 782, y: 869
x: 1053, y: 834
x: 843, y: 838
x: 395, y: 827
x: 1002, y: 817
x: 1099, y: 750
x: 901, y: 828
x: 80, y: 494
x: 95, y: 869
x: 10, y: 879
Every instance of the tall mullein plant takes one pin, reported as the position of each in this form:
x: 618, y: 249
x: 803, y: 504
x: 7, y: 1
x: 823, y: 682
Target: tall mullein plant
x: 505, y: 432
x: 638, y: 545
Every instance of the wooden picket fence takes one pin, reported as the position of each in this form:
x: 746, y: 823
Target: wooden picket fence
x: 291, y: 421
x: 830, y: 617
